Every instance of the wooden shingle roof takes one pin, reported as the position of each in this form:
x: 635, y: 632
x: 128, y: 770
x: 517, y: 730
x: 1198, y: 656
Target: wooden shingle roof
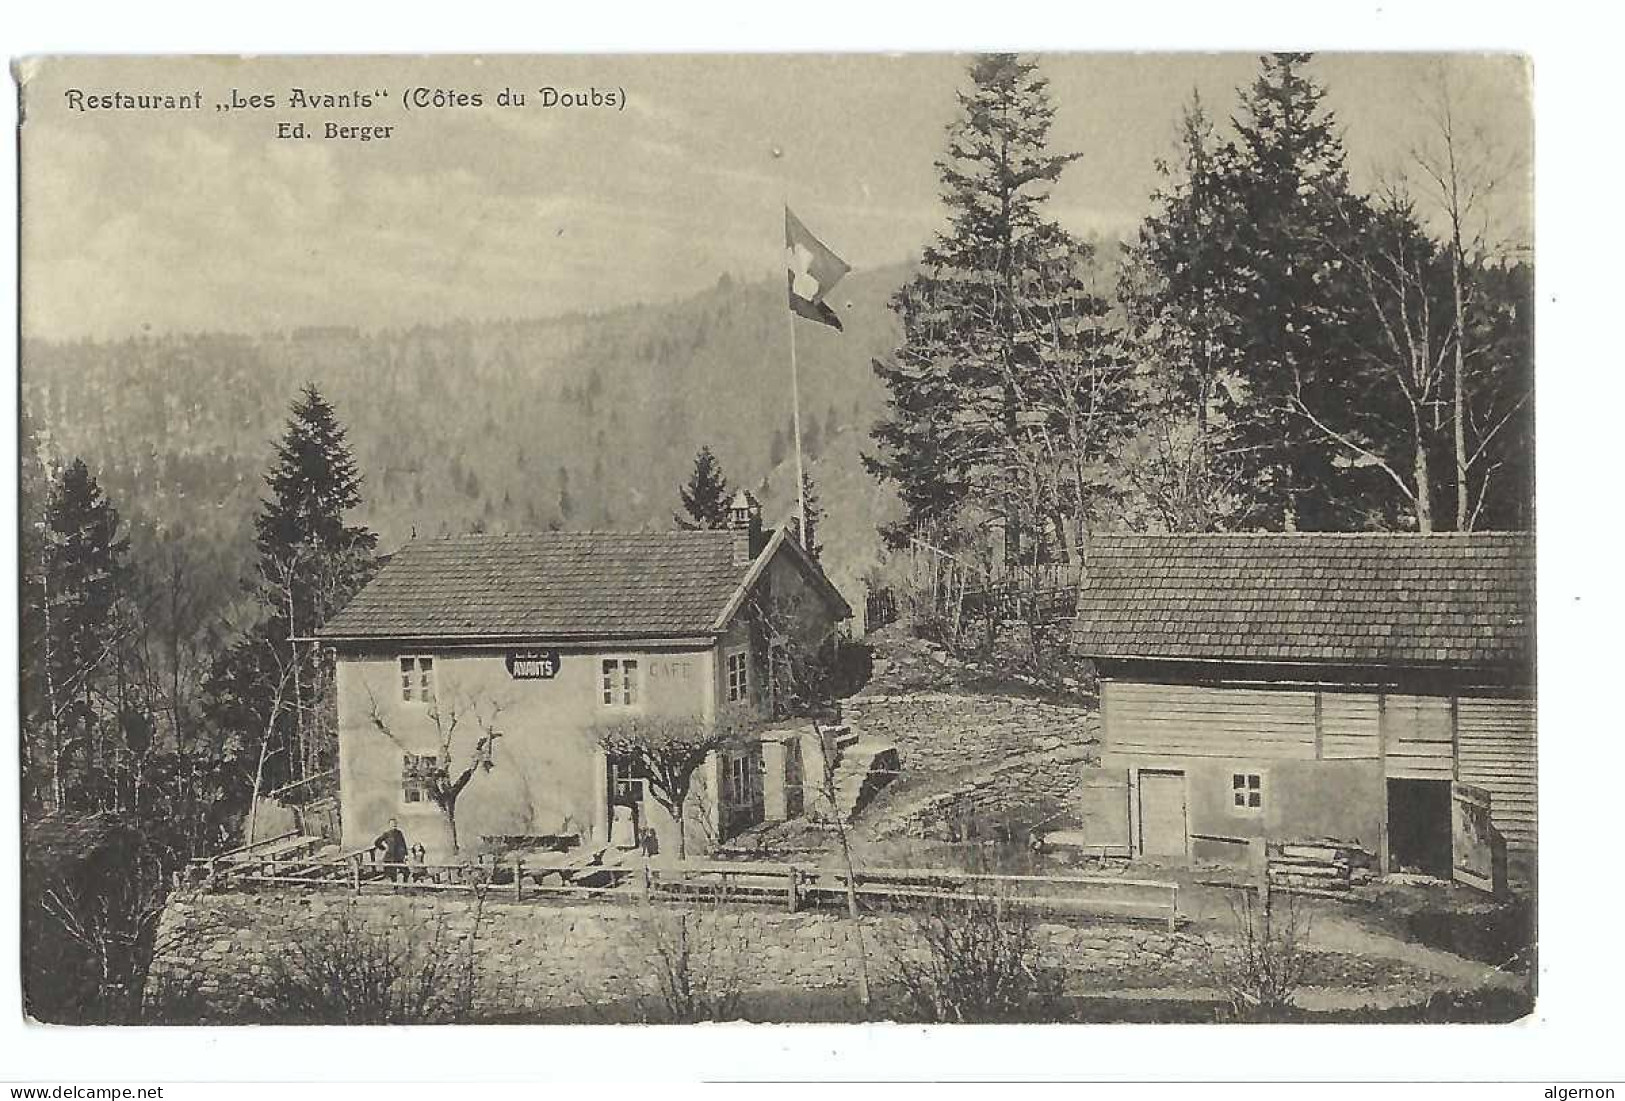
x: 1358, y: 599
x: 547, y: 585
x: 57, y: 842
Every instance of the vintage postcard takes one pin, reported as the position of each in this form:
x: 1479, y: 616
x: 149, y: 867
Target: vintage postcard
x: 616, y: 539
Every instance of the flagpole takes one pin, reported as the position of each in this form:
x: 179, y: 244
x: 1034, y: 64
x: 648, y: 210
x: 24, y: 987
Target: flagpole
x: 795, y: 385
x: 795, y: 417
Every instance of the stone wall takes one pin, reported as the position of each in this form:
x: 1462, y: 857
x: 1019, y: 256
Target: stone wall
x: 1013, y: 798
x: 976, y: 763
x: 948, y: 732
x: 546, y: 954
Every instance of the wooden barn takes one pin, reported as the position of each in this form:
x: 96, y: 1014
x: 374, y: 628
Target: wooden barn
x: 1376, y: 689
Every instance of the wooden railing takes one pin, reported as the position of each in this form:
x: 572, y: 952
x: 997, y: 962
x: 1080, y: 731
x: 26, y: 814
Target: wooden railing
x: 319, y: 786
x: 733, y: 882
x: 1057, y: 895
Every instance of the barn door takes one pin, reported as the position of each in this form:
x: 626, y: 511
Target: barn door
x: 1471, y: 837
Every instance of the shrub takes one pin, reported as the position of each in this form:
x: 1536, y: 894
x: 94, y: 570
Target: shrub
x: 358, y: 974
x: 696, y: 957
x: 972, y: 958
x: 1266, y: 962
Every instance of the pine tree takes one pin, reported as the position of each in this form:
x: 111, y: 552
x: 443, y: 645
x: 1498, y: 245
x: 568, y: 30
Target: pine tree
x: 314, y: 483
x: 1009, y: 385
x: 33, y: 500
x: 273, y: 689
x: 815, y: 516
x: 1175, y: 286
x: 1285, y: 296
x: 705, y: 497
x: 85, y: 574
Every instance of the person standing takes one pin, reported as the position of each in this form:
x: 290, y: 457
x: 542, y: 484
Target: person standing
x: 393, y: 843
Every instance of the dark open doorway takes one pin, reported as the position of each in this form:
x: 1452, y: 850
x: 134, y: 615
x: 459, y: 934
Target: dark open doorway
x: 1419, y: 827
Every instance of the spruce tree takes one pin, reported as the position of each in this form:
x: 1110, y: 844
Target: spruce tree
x: 85, y: 574
x: 1004, y: 343
x: 1286, y: 293
x: 272, y: 688
x: 1176, y: 287
x: 815, y: 516
x: 705, y: 497
x: 314, y: 483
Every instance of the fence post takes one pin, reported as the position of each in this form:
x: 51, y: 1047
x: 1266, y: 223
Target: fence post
x: 355, y: 874
x: 518, y: 878
x: 790, y: 894
x: 1261, y: 859
x: 1173, y: 908
x: 646, y: 877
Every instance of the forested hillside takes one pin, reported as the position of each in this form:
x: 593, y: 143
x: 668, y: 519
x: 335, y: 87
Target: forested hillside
x: 575, y: 422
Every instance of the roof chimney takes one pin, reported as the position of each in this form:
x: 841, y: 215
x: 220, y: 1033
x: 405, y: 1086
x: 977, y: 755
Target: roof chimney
x: 745, y: 521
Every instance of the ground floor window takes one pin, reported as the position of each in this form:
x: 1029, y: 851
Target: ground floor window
x: 742, y: 779
x: 417, y: 772
x: 627, y: 780
x: 1247, y: 792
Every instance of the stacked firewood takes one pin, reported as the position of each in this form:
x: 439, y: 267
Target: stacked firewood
x: 1319, y: 867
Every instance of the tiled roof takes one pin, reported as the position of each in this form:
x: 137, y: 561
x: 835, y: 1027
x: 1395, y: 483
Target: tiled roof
x: 1378, y: 599
x: 547, y: 585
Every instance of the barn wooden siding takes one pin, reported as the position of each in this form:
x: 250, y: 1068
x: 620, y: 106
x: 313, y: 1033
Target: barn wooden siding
x: 1181, y: 720
x: 1496, y: 739
x: 1482, y: 741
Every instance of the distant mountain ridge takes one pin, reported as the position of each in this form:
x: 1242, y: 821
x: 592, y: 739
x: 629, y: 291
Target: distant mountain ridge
x: 573, y: 422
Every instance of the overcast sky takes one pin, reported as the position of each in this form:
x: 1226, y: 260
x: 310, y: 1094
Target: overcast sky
x: 202, y: 220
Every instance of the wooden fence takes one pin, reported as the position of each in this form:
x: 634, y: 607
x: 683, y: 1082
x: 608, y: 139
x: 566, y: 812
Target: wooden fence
x: 791, y: 886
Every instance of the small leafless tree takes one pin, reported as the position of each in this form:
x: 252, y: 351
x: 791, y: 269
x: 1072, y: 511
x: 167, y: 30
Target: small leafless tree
x: 354, y: 973
x: 1463, y: 167
x: 970, y: 958
x: 110, y: 911
x: 697, y: 956
x: 1266, y: 962
x: 446, y: 780
x: 670, y: 749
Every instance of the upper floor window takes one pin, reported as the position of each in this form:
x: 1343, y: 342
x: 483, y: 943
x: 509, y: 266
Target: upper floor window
x: 619, y: 684
x: 738, y: 676
x: 417, y: 680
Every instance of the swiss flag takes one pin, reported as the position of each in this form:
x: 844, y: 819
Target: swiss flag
x: 813, y: 271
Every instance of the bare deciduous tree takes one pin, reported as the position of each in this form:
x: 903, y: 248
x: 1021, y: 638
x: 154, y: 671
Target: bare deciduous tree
x: 445, y: 781
x: 972, y: 958
x: 670, y: 750
x: 1463, y: 166
x: 1266, y: 962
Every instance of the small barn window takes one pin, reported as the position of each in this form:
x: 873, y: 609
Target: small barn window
x: 1247, y: 792
x: 738, y: 676
x: 619, y: 686
x: 417, y: 770
x: 417, y: 680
